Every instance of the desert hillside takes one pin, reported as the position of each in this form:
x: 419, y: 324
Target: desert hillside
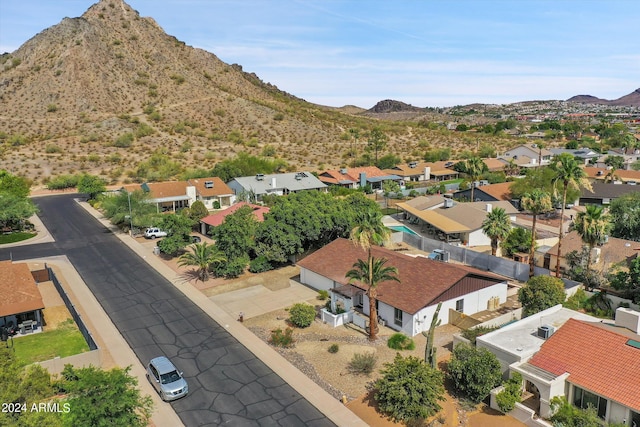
x: 102, y: 92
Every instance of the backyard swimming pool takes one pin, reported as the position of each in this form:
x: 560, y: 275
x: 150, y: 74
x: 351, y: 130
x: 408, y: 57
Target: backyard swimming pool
x: 402, y: 228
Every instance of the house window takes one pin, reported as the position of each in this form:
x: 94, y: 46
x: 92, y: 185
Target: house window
x: 397, y: 316
x: 460, y: 305
x: 583, y: 399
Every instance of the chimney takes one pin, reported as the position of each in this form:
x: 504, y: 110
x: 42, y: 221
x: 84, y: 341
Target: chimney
x: 273, y: 182
x: 628, y: 318
x: 427, y: 173
x: 363, y: 179
x: 489, y: 207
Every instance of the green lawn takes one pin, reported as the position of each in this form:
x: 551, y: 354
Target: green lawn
x: 15, y: 237
x: 66, y: 340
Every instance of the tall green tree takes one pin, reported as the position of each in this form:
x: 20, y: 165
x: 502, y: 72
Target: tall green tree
x: 202, y: 256
x: 628, y: 281
x: 625, y: 217
x: 370, y: 231
x: 593, y: 225
x: 474, y: 371
x: 91, y: 185
x: 376, y: 142
x: 409, y: 389
x: 123, y: 208
x: 537, y: 202
x: 569, y: 173
x: 540, y: 293
x: 474, y: 167
x: 178, y: 228
x: 236, y: 235
x: 98, y: 397
x: 496, y: 226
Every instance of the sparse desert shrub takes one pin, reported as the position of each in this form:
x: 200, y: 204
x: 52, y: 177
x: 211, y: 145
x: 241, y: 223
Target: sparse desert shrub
x: 124, y: 141
x: 144, y: 130
x: 280, y: 338
x: 399, y: 341
x: 362, y: 363
x: 333, y: 348
x: 302, y: 315
x: 177, y: 78
x: 52, y: 148
x: 52, y: 108
x: 278, y: 117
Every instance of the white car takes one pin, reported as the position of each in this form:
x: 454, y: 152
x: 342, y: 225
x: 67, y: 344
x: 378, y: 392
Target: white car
x: 152, y: 233
x: 166, y: 379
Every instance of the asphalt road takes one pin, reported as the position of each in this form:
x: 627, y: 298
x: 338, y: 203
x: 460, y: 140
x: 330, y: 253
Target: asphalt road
x: 228, y: 385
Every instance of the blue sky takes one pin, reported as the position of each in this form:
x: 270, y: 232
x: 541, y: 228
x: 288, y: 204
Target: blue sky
x: 423, y: 52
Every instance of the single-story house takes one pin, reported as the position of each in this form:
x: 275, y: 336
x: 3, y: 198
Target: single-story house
x: 358, y: 177
x: 591, y: 364
x: 279, y: 184
x: 626, y: 176
x: 212, y: 191
x: 584, y: 155
x: 604, y: 194
x: 494, y: 164
x: 407, y: 306
x: 519, y: 341
x: 630, y: 155
x: 21, y: 302
x: 456, y: 222
x: 487, y: 193
x: 173, y: 195
x: 613, y: 251
x: 535, y: 155
x: 214, y: 220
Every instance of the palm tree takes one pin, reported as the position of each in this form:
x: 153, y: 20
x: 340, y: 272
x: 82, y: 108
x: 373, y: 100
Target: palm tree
x: 571, y: 175
x: 474, y: 167
x: 372, y: 272
x: 370, y: 231
x: 496, y: 226
x: 536, y: 202
x: 202, y: 256
x: 593, y: 225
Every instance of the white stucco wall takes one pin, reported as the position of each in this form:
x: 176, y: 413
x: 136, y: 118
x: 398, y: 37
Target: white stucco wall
x: 478, y: 238
x: 316, y: 281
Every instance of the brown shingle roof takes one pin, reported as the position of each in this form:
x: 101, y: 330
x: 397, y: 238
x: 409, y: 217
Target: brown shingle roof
x: 614, y: 251
x: 18, y: 289
x: 159, y: 190
x: 501, y: 191
x: 596, y: 358
x: 623, y: 174
x: 424, y: 282
x: 219, y: 187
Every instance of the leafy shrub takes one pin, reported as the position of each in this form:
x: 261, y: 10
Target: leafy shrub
x: 52, y: 148
x: 323, y: 294
x: 473, y: 333
x: 216, y: 204
x: 362, y: 363
x: 63, y: 182
x: 409, y: 390
x: 333, y: 348
x: 52, y: 108
x: 577, y: 300
x: 260, y: 264
x: 282, y: 339
x: 399, y: 341
x: 232, y: 268
x: 302, y: 315
x: 511, y: 394
x: 474, y: 371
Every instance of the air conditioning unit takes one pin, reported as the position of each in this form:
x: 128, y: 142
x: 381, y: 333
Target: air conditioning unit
x: 545, y: 331
x: 260, y: 177
x: 448, y: 203
x: 442, y: 255
x: 413, y: 164
x: 208, y: 184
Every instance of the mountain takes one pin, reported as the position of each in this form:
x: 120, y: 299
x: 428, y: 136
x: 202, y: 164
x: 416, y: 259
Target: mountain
x: 630, y: 100
x: 391, y: 106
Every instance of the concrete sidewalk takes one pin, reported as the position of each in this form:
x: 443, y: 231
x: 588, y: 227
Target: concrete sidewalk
x: 316, y: 395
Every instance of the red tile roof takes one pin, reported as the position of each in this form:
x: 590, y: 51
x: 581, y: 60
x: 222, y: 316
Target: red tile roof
x: 18, y: 289
x: 423, y: 282
x: 218, y: 217
x: 352, y: 174
x: 597, y: 358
